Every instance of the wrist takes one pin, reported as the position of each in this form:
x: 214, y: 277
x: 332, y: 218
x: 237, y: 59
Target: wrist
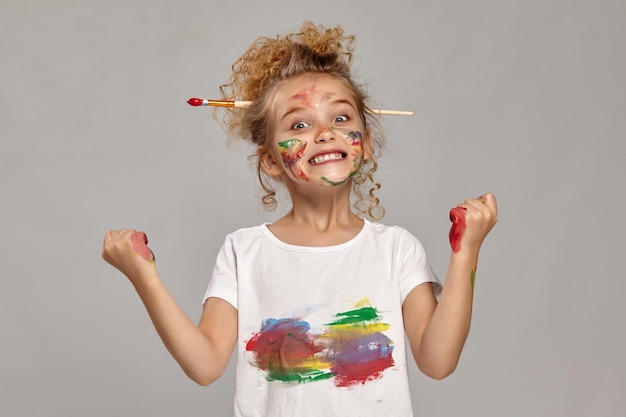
x: 144, y: 276
x: 466, y: 255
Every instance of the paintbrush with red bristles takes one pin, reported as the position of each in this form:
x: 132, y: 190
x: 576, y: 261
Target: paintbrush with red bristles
x: 243, y: 104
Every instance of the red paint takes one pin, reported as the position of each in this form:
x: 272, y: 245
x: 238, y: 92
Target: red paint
x: 457, y: 217
x: 304, y: 94
x: 140, y: 245
x: 283, y: 346
x: 195, y: 101
x: 348, y: 374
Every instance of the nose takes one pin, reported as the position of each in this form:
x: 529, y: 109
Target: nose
x: 325, y: 136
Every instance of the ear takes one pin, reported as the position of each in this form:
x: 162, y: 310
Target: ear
x: 367, y: 145
x: 269, y: 165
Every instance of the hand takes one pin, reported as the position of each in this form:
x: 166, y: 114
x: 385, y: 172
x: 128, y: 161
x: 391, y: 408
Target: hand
x: 128, y: 251
x: 472, y: 221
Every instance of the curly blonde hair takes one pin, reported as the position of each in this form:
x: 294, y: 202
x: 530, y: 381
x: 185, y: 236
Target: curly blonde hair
x: 256, y: 76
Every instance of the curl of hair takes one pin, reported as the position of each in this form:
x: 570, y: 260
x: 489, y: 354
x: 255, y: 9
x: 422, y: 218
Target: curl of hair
x: 257, y: 76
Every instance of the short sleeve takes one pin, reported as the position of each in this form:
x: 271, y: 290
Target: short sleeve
x: 223, y: 283
x: 414, y: 266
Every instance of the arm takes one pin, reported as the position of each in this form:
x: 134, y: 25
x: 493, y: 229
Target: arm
x: 202, y: 351
x: 437, y: 331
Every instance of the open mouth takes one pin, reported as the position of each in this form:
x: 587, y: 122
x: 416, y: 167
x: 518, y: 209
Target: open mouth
x: 333, y: 156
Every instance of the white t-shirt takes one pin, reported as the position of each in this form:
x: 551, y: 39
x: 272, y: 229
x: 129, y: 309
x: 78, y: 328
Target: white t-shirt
x: 320, y: 328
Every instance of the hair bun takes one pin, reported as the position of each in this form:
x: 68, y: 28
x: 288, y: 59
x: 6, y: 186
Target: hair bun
x: 269, y: 60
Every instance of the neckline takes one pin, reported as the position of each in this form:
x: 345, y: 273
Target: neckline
x: 297, y: 248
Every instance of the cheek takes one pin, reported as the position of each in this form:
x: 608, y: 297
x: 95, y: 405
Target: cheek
x: 291, y: 151
x: 355, y: 139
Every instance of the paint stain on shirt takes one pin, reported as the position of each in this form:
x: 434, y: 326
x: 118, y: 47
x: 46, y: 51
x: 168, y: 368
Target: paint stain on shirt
x: 352, y: 350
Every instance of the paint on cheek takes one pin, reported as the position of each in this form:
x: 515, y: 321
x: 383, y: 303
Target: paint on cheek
x: 355, y: 139
x: 291, y: 151
x: 139, y: 241
x: 457, y: 217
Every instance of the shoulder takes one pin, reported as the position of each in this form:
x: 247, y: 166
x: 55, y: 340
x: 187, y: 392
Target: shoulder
x: 383, y: 231
x: 396, y: 238
x: 246, y: 236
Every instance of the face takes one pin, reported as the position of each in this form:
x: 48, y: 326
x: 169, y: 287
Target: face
x: 319, y: 134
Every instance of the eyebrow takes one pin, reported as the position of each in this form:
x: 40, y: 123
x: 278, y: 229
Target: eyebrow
x: 291, y: 110
x: 344, y: 101
x: 333, y: 102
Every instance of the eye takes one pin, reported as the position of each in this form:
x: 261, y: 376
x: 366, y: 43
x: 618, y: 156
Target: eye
x: 341, y: 119
x: 300, y: 125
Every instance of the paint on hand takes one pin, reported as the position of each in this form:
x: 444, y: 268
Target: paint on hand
x: 291, y: 151
x: 353, y: 350
x: 457, y: 230
x: 139, y: 241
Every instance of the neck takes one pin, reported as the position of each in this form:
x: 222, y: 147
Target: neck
x: 326, y: 206
x: 318, y: 218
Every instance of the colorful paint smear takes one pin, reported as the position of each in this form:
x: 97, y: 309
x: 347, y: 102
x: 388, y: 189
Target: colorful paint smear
x: 288, y: 352
x: 352, y: 350
x: 291, y: 151
x: 457, y: 230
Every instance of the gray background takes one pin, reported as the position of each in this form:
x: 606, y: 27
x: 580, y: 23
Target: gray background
x: 523, y: 98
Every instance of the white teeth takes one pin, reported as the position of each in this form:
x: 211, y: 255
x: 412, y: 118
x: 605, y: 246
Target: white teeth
x: 326, y: 157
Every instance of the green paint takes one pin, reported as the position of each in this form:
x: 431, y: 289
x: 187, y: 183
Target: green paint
x: 286, y: 144
x: 339, y: 182
x: 299, y: 376
x: 334, y: 182
x: 473, y: 276
x: 356, y: 316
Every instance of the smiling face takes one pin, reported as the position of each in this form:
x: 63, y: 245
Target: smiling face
x: 318, y: 135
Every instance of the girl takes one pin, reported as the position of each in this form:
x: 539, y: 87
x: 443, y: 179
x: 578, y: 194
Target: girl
x: 317, y: 303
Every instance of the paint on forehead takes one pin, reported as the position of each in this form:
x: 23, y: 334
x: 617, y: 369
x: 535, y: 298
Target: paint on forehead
x: 310, y: 96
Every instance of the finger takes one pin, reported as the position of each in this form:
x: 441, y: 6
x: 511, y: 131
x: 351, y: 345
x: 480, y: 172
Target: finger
x: 490, y: 201
x: 475, y: 204
x: 108, y: 237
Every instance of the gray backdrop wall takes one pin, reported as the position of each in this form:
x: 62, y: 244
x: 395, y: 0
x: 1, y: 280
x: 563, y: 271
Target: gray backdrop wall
x: 523, y: 98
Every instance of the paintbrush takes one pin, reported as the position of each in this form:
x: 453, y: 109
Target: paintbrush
x: 243, y: 104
